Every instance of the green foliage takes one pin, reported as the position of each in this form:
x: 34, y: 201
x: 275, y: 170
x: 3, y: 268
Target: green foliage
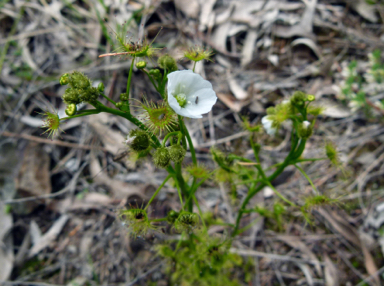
x: 313, y: 202
x: 359, y: 89
x: 203, y: 261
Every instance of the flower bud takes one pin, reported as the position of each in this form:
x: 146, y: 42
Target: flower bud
x: 119, y: 105
x: 124, y: 97
x: 71, y: 109
x: 172, y: 216
x: 100, y: 87
x: 168, y: 63
x: 141, y: 65
x: 79, y: 80
x: 64, y: 79
x: 155, y: 73
x: 298, y: 99
x: 89, y: 95
x: 310, y: 97
x: 305, y: 130
x: 138, y: 140
x: 177, y: 153
x: 71, y: 96
x: 161, y: 157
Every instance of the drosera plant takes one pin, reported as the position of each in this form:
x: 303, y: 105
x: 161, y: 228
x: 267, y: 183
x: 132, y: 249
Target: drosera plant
x: 161, y: 133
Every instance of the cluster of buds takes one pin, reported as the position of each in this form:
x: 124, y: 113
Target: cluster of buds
x: 140, y: 141
x: 164, y: 155
x: 80, y: 90
x: 297, y: 109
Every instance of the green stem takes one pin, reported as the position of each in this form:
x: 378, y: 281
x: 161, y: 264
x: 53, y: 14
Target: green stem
x: 83, y: 113
x: 152, y: 81
x: 167, y: 136
x: 128, y: 116
x: 280, y: 195
x: 180, y: 195
x: 191, y: 148
x: 194, y: 65
x: 200, y: 212
x: 308, y: 178
x: 107, y: 98
x: 129, y: 79
x: 157, y: 191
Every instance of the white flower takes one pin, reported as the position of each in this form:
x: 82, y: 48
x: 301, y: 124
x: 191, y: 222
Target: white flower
x: 189, y: 94
x: 306, y: 124
x: 267, y: 124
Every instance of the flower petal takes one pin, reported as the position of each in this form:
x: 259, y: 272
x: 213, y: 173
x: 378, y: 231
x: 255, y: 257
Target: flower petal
x: 198, y: 91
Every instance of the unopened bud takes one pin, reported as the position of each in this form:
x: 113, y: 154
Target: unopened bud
x: 64, y: 79
x: 138, y: 140
x: 298, y: 99
x: 168, y: 63
x: 124, y: 97
x: 71, y: 109
x: 172, y: 216
x: 310, y: 97
x: 100, y: 87
x: 305, y: 130
x: 161, y: 157
x: 155, y: 73
x: 141, y: 65
x: 177, y: 153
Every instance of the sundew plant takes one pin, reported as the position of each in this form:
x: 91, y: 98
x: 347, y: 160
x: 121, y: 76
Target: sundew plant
x: 194, y: 256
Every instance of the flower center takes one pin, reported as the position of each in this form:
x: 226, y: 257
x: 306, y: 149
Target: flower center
x: 181, y: 99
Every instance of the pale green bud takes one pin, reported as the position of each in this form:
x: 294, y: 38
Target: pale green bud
x: 304, y: 130
x: 161, y: 157
x: 141, y: 65
x: 177, y: 153
x: 298, y: 99
x: 138, y: 140
x: 64, y: 79
x: 100, y: 87
x: 168, y: 63
x: 71, y: 109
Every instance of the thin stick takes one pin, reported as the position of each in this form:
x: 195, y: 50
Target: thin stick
x: 52, y: 142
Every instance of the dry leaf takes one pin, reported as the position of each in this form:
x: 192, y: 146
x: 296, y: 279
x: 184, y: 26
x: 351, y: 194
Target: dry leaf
x: 331, y: 272
x: 333, y: 109
x: 309, y: 43
x: 33, y: 178
x: 248, y: 47
x: 49, y: 236
x: 190, y: 8
x: 366, y: 10
x: 236, y: 89
x: 119, y: 189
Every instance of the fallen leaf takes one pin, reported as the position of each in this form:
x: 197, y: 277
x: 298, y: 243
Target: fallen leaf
x: 190, y: 8
x: 333, y: 109
x: 365, y: 10
x: 49, y: 236
x: 331, y: 272
x: 236, y: 89
x: 33, y: 178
